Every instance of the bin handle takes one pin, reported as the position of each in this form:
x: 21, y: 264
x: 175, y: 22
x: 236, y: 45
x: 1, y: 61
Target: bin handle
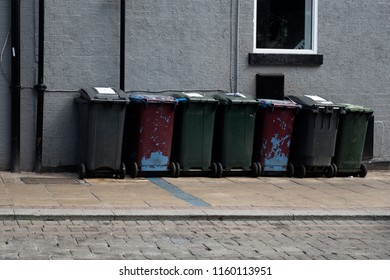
x: 329, y: 110
x: 105, y: 100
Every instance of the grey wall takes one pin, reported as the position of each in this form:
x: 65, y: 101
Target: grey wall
x: 5, y: 94
x: 178, y: 45
x: 29, y: 30
x: 183, y: 45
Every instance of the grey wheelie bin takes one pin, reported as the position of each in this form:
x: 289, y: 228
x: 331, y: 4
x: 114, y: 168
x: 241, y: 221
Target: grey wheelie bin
x: 101, y: 121
x: 314, y: 136
x: 234, y: 135
x: 193, y: 132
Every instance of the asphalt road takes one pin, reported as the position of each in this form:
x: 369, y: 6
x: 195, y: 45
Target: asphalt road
x: 195, y: 239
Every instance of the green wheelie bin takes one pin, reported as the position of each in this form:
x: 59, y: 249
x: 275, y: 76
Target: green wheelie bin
x: 350, y: 141
x: 234, y: 135
x: 193, y: 132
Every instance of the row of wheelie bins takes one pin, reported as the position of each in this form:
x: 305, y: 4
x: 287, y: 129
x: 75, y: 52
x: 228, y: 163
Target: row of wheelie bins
x: 217, y: 134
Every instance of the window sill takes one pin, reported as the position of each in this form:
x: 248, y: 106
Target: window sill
x: 285, y: 59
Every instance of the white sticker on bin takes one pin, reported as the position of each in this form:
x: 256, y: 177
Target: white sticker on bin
x: 318, y: 99
x: 193, y: 94
x: 105, y: 90
x: 236, y: 94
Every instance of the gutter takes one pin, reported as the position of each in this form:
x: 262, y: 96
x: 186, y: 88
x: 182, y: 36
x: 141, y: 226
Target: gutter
x: 15, y: 85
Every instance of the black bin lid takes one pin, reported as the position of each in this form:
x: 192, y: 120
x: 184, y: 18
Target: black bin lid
x: 102, y: 95
x: 315, y: 103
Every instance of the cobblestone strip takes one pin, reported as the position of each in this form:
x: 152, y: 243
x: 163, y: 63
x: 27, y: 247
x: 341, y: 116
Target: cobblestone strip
x: 195, y: 239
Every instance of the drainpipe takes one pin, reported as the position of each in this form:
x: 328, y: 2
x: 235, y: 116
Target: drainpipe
x: 122, y: 45
x: 237, y: 45
x: 15, y: 85
x: 234, y: 44
x: 40, y: 87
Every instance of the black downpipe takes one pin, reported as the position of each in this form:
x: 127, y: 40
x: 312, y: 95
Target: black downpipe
x: 15, y: 85
x: 40, y: 87
x: 122, y: 45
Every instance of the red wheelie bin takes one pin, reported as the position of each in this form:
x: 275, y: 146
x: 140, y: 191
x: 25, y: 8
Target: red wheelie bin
x: 274, y: 127
x: 148, y: 134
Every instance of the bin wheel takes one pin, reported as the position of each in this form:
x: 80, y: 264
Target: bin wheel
x: 335, y: 169
x: 260, y: 168
x: 178, y: 169
x: 363, y: 170
x: 82, y: 171
x: 214, y: 170
x: 219, y: 170
x: 173, y: 169
x: 256, y: 169
x: 133, y: 169
x: 300, y: 171
x: 329, y: 171
x: 122, y: 171
x: 290, y: 170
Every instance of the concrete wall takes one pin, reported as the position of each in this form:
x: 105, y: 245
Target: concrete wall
x: 29, y: 65
x: 178, y: 45
x: 184, y: 45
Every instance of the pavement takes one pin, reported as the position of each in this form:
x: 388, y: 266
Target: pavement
x: 62, y: 196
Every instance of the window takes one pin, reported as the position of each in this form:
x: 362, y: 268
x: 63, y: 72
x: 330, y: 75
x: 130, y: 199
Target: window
x: 285, y: 26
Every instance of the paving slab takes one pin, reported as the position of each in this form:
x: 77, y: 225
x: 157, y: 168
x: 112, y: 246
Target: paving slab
x: 62, y: 196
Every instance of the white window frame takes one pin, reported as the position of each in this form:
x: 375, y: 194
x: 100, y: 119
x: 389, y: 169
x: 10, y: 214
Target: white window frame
x: 314, y: 33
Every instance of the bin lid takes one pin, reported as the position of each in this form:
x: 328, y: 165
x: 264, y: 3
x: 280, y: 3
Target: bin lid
x: 102, y: 94
x: 235, y: 98
x: 151, y: 98
x: 265, y: 103
x: 314, y: 102
x: 187, y: 97
x: 356, y: 108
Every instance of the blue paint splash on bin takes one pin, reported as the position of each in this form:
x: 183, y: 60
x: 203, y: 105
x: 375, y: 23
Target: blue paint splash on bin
x: 277, y: 159
x: 156, y: 162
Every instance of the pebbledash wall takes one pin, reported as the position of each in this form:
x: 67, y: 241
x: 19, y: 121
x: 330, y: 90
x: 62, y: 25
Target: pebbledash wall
x: 5, y: 95
x: 182, y: 45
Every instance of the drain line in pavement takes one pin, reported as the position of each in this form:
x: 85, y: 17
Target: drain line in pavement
x: 175, y: 191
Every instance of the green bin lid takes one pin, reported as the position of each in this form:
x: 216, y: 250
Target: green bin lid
x: 356, y: 108
x: 235, y: 98
x: 186, y: 97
